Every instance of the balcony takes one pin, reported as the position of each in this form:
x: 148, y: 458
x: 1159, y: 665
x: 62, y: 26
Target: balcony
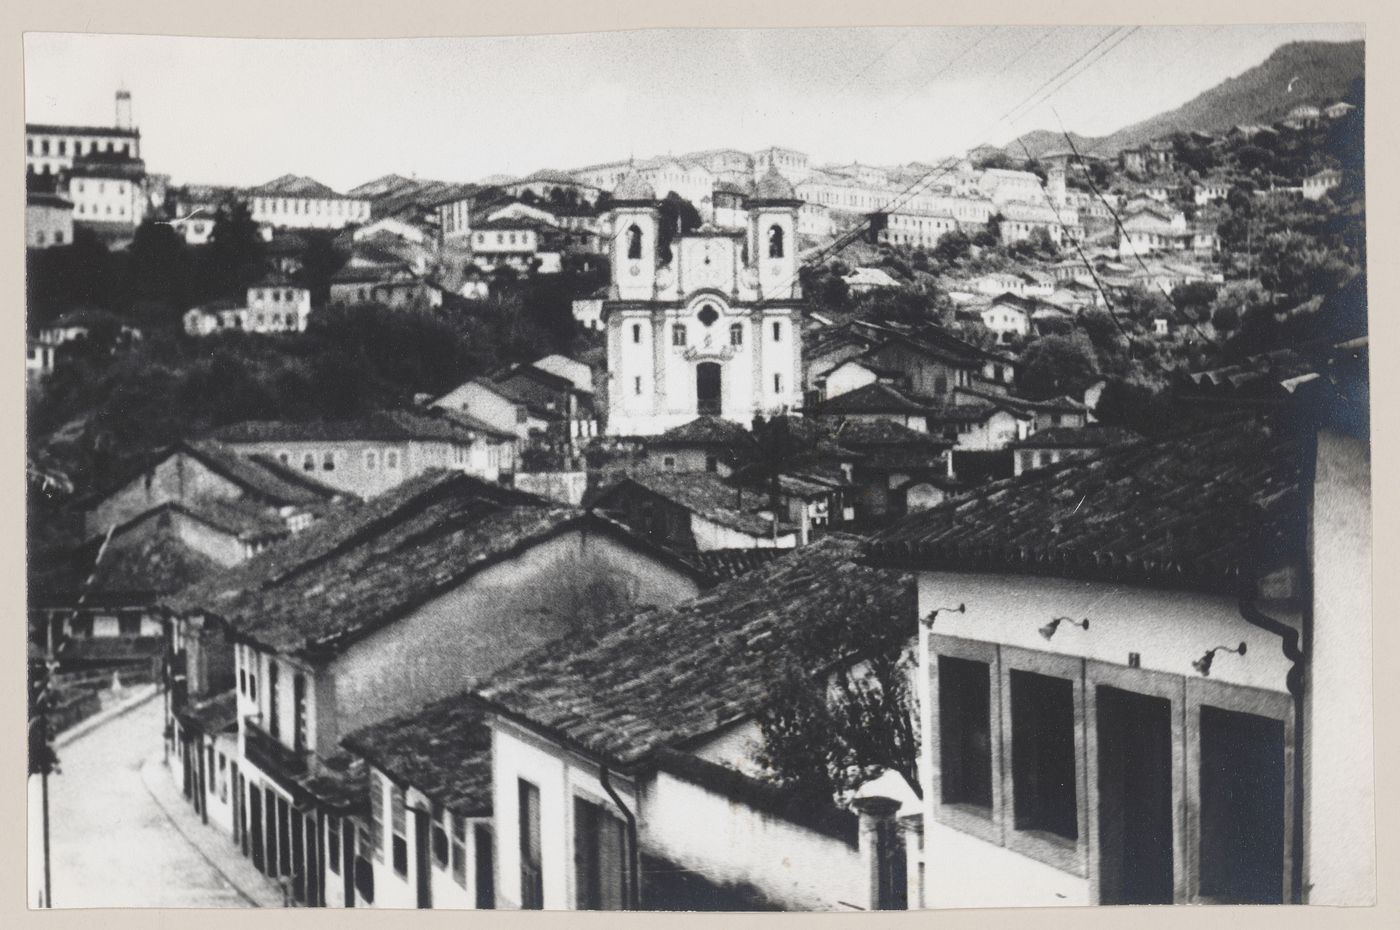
x: 269, y: 753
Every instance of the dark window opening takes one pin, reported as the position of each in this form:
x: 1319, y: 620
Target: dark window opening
x: 531, y: 875
x: 274, y: 724
x: 775, y: 242
x: 1242, y: 808
x: 965, y: 728
x: 736, y: 334
x: 1135, y: 798
x: 600, y: 861
x: 1042, y: 754
x: 441, y: 848
x: 707, y: 315
x: 634, y: 241
x: 708, y: 389
x: 485, y: 868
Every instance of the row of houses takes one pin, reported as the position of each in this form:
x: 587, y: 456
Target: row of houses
x: 465, y: 697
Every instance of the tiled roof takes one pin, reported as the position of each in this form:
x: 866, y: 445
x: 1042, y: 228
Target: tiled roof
x: 862, y: 435
x: 339, y: 782
x: 292, y: 185
x: 705, y: 431
x: 1199, y: 510
x: 212, y: 716
x: 663, y: 677
x: 728, y: 564
x: 51, y: 129
x: 707, y: 495
x: 773, y: 187
x: 443, y: 750
x: 378, y: 426
x: 875, y: 397
x: 246, y: 519
x: 158, y: 564
x: 1067, y: 437
x: 236, y: 591
x: 634, y: 187
x: 432, y: 543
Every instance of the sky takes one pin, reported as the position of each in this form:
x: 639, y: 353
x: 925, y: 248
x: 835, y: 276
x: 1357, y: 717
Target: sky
x: 243, y: 111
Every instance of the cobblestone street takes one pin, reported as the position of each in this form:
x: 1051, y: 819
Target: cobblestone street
x: 112, y: 843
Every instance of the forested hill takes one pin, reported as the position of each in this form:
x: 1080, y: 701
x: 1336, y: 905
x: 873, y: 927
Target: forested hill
x: 1296, y: 73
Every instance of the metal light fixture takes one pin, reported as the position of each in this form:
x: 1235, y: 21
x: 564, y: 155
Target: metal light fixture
x: 933, y: 614
x: 1202, y: 664
x: 1049, y: 629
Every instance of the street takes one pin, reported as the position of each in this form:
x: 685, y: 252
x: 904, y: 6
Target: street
x: 112, y: 844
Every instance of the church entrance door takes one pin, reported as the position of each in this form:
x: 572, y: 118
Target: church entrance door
x: 708, y: 395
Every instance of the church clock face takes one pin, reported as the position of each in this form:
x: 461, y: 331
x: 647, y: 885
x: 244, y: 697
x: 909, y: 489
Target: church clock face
x: 635, y: 270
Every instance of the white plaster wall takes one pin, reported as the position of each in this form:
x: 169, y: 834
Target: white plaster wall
x: 550, y: 590
x: 961, y: 870
x: 560, y: 777
x: 848, y: 377
x: 732, y: 843
x: 1340, y: 832
x: 709, y: 535
x: 1168, y: 629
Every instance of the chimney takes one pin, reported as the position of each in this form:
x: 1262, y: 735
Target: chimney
x: 123, y: 109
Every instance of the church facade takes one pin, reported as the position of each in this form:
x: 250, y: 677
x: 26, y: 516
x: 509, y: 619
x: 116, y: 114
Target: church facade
x: 705, y: 321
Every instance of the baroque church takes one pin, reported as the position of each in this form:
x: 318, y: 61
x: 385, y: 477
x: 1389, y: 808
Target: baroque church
x: 705, y: 321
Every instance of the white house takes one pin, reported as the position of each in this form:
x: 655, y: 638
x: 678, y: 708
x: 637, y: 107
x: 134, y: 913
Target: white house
x: 623, y: 772
x: 350, y: 629
x: 1315, y: 185
x: 295, y: 202
x: 1115, y: 718
x: 1007, y: 317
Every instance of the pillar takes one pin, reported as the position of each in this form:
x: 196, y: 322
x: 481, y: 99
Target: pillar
x: 882, y: 853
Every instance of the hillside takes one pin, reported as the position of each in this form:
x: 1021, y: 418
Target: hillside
x: 1319, y: 72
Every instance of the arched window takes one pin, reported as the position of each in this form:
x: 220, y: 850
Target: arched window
x: 736, y: 334
x: 634, y: 241
x: 775, y: 241
x: 678, y: 334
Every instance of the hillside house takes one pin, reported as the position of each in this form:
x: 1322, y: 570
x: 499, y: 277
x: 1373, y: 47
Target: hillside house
x: 1316, y: 185
x: 894, y: 470
x: 297, y: 202
x: 48, y: 219
x: 1057, y: 444
x: 864, y: 280
x: 383, y: 280
x: 425, y: 590
x: 368, y: 455
x: 705, y: 444
x: 1008, y: 317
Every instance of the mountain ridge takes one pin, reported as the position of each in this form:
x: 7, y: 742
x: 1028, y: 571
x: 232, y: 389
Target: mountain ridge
x: 1295, y: 73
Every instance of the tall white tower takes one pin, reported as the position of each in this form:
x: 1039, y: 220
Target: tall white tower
x: 124, y: 109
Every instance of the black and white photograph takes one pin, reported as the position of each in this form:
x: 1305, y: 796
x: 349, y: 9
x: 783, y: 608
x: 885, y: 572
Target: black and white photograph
x: 852, y: 469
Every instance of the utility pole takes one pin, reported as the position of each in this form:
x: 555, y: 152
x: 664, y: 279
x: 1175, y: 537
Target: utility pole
x: 41, y: 756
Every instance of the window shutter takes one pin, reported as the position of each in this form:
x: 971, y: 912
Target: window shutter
x: 376, y: 816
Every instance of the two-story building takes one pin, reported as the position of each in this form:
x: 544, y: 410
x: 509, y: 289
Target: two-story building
x: 370, y: 454
x: 1116, y: 717
x: 412, y: 597
x: 296, y: 202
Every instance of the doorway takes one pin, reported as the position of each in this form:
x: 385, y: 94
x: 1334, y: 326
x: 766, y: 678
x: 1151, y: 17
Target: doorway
x: 709, y: 400
x: 1135, y: 798
x: 422, y: 857
x: 1242, y: 808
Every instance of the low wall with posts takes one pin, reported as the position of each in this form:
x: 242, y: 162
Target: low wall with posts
x: 740, y: 832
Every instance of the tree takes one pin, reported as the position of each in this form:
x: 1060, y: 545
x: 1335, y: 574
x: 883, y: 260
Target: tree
x: 952, y: 246
x: 236, y: 250
x: 823, y: 741
x: 1194, y: 299
x: 1055, y: 365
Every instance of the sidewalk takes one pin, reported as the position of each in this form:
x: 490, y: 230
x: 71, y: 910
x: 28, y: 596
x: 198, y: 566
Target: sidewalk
x: 216, y: 848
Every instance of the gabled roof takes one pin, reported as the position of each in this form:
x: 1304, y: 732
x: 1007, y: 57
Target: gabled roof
x: 1201, y: 510
x: 331, y: 585
x: 705, y: 431
x: 443, y: 750
x: 377, y: 426
x: 666, y: 677
x: 875, y: 397
x: 1068, y: 437
x: 706, y: 495
x: 295, y: 185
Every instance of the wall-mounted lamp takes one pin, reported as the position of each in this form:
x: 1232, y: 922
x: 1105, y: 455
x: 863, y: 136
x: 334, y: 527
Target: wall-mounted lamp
x: 933, y: 614
x: 1202, y: 664
x: 1049, y: 629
